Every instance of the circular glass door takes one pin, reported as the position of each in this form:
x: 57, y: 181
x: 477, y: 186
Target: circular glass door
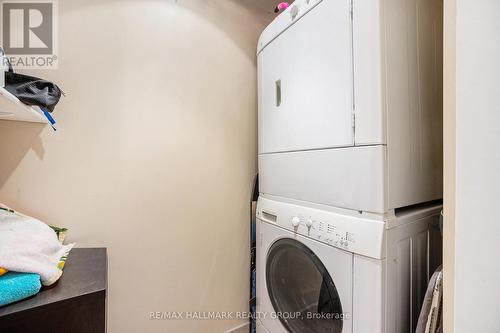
x: 301, y: 290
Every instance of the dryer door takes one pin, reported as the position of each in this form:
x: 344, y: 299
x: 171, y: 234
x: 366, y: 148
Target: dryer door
x: 309, y: 286
x: 306, y: 83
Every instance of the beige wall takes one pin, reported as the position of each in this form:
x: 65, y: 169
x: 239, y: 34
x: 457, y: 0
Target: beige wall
x: 449, y: 96
x: 155, y: 153
x: 472, y: 127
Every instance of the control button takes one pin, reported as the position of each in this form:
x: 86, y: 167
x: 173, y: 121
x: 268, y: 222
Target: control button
x: 309, y: 223
x: 295, y: 221
x: 294, y: 12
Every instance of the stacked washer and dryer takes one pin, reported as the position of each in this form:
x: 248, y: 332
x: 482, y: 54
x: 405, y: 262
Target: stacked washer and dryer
x: 350, y: 165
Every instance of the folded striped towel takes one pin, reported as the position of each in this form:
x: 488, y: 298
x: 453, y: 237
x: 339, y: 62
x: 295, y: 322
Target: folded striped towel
x: 17, y: 286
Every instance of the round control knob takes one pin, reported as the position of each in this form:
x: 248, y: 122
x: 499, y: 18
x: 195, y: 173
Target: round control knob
x: 295, y: 221
x: 294, y: 12
x: 309, y: 223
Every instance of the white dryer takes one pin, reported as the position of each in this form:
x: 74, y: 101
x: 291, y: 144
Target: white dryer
x: 321, y: 269
x: 350, y: 103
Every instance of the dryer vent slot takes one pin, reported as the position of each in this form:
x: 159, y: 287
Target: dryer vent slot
x: 269, y: 217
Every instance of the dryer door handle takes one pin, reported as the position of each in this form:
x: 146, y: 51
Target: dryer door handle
x: 278, y: 93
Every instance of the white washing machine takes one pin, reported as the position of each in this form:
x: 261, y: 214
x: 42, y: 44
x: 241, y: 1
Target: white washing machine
x: 350, y: 103
x: 323, y: 269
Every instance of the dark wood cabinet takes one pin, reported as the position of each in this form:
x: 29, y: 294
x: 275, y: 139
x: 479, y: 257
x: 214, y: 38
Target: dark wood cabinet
x: 76, y: 304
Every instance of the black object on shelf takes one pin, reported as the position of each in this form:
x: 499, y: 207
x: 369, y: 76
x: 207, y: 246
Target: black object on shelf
x: 76, y: 304
x: 32, y: 90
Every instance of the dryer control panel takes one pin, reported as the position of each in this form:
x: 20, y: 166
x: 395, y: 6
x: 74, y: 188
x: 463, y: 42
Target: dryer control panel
x: 350, y: 231
x: 283, y: 21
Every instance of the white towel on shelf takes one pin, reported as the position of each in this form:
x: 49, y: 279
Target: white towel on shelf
x: 28, y: 245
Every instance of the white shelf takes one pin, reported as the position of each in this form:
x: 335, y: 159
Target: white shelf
x: 11, y: 108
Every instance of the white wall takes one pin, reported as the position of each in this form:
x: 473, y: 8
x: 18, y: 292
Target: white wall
x: 155, y: 153
x: 477, y: 164
x: 449, y: 142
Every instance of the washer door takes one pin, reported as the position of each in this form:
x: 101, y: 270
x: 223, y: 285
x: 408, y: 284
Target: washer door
x: 301, y: 290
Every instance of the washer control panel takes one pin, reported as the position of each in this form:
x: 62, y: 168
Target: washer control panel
x: 351, y: 233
